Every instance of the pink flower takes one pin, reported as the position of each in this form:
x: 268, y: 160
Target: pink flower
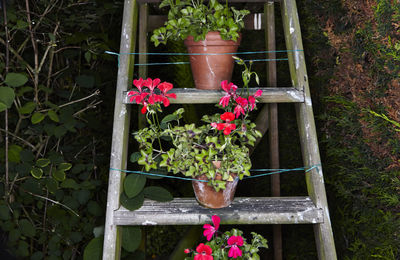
x: 165, y: 87
x: 235, y: 242
x: 187, y: 251
x: 252, y: 99
x: 204, y: 252
x: 210, y: 230
x: 238, y: 111
x: 151, y: 83
x: 138, y: 83
x: 230, y: 90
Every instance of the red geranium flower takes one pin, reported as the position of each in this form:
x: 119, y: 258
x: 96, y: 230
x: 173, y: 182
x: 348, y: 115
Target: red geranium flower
x: 204, y: 252
x: 227, y: 127
x: 210, y: 230
x: 235, y: 242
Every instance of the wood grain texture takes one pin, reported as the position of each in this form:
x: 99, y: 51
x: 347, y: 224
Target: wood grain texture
x: 186, y: 211
x: 194, y: 96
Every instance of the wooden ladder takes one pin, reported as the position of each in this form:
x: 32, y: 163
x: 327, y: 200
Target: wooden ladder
x: 312, y: 209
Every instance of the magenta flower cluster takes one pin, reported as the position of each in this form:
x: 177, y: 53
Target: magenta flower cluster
x: 204, y: 252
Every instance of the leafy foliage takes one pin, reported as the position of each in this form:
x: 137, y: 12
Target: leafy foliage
x: 196, y: 19
x: 53, y: 183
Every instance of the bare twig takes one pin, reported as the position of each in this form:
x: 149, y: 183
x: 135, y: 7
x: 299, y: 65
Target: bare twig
x: 17, y: 137
x: 91, y: 105
x: 95, y: 93
x: 49, y: 47
x: 35, y: 53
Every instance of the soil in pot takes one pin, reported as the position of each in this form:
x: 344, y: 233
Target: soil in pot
x: 210, y: 70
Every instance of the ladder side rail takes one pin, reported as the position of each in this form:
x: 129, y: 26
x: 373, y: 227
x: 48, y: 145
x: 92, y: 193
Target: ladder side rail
x: 273, y: 134
x: 120, y: 135
x: 307, y: 130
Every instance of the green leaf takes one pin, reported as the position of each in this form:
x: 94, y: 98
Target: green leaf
x: 27, y: 108
x: 7, y: 96
x: 2, y: 106
x: 133, y: 203
x: 134, y: 184
x: 169, y: 118
x: 64, y: 166
x: 42, y: 162
x: 53, y: 116
x: 94, y: 250
x: 131, y: 238
x: 15, y: 79
x: 157, y: 194
x: 51, y: 185
x: 135, y: 157
x: 26, y: 228
x: 59, y: 175
x: 82, y: 196
x: 4, y: 212
x: 14, y: 153
x: 14, y: 235
x: 37, y: 117
x: 37, y: 172
x: 95, y: 209
x: 70, y: 184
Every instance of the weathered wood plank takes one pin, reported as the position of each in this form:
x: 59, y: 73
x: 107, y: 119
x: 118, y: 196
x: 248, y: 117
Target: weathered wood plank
x: 194, y: 96
x: 186, y: 211
x: 308, y: 137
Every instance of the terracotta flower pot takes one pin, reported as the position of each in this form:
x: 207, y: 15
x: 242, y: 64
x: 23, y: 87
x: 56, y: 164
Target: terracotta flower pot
x: 210, y: 70
x: 208, y: 197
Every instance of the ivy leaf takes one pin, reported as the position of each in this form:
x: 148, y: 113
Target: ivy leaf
x: 94, y: 250
x: 37, y: 117
x: 53, y: 116
x: 37, y: 172
x: 134, y: 184
x: 132, y: 203
x: 42, y: 162
x: 64, y: 166
x: 59, y: 175
x: 7, y: 96
x: 158, y: 194
x: 15, y: 79
x: 131, y: 238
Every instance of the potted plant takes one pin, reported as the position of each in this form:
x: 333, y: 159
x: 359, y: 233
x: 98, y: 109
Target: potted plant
x: 209, y: 31
x: 228, y: 245
x: 215, y: 154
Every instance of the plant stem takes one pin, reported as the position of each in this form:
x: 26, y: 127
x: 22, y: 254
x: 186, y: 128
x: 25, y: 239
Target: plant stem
x: 4, y: 4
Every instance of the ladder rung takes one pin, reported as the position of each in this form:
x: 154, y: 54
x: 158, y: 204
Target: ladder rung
x: 195, y: 96
x: 186, y: 211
